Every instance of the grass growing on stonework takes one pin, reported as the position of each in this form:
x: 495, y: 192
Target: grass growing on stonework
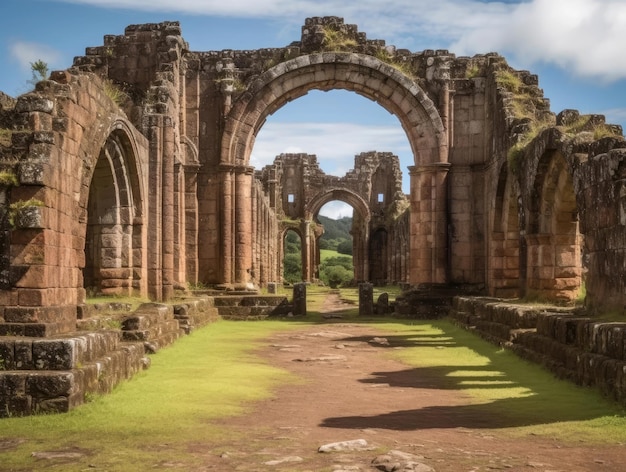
x: 156, y: 416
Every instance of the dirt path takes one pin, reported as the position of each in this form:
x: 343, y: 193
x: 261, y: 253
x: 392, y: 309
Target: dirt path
x: 351, y: 391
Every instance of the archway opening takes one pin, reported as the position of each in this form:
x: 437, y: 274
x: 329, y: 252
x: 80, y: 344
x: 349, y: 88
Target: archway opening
x: 112, y: 242
x: 334, y: 258
x: 382, y: 84
x: 504, y: 263
x: 555, y: 242
x: 292, y: 257
x: 334, y: 125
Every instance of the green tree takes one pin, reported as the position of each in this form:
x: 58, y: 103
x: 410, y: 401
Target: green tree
x: 39, y: 71
x: 336, y: 275
x: 292, y: 268
x: 345, y: 247
x: 343, y: 261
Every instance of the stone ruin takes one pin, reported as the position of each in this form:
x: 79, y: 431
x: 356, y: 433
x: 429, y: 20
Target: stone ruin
x: 297, y: 189
x: 129, y: 174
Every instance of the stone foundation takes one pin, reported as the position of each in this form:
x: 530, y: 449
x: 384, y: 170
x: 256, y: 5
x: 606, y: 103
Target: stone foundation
x: 574, y: 347
x: 108, y: 345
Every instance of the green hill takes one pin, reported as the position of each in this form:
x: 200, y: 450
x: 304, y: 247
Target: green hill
x: 336, y: 232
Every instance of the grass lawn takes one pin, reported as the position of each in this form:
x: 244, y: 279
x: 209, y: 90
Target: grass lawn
x: 210, y: 374
x: 214, y: 373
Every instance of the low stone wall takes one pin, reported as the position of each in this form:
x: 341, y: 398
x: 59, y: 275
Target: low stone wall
x: 252, y: 307
x: 579, y: 348
x: 57, y: 374
x: 109, y: 345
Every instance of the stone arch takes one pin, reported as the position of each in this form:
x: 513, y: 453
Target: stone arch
x: 505, y: 270
x: 284, y: 231
x: 360, y: 235
x: 347, y: 196
x: 373, y: 79
x: 363, y: 74
x: 378, y: 255
x: 114, y: 240
x: 554, y: 259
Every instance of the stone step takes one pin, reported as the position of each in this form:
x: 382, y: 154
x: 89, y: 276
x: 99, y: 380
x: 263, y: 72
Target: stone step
x: 250, y: 300
x: 24, y: 392
x: 36, y: 330
x: 57, y: 353
x: 147, y: 315
x: 152, y: 332
x: 250, y: 312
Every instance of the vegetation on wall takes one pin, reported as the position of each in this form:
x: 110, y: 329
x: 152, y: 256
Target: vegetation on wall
x: 337, y: 40
x: 39, y: 71
x: 8, y: 178
x: 523, y: 109
x: 404, y: 67
x: 114, y: 92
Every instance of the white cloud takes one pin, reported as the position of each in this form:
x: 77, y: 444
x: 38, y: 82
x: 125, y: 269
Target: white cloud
x: 584, y: 36
x: 336, y: 210
x: 334, y: 144
x: 24, y: 53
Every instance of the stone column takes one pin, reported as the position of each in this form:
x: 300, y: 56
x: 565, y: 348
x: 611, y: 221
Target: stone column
x: 306, y: 251
x: 429, y: 223
x: 226, y: 213
x: 299, y: 299
x: 243, y: 224
x: 154, y: 131
x: 366, y: 299
x: 191, y: 222
x: 167, y: 225
x: 366, y: 252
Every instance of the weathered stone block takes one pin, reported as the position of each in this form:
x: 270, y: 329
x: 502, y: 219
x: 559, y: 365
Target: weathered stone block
x: 54, y: 354
x: 51, y: 385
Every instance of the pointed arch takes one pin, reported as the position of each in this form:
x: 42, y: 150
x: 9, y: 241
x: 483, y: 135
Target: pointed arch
x: 554, y: 239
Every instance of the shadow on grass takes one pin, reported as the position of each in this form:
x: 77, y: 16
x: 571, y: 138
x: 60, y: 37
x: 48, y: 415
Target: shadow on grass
x: 499, y: 391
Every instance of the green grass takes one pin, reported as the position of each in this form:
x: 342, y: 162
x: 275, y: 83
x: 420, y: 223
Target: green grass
x: 516, y: 397
x: 153, y: 417
x: 327, y: 253
x: 162, y: 414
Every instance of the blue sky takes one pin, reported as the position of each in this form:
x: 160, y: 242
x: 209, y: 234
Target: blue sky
x: 575, y: 46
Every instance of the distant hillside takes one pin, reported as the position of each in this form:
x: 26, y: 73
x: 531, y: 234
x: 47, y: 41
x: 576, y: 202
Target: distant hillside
x: 336, y: 229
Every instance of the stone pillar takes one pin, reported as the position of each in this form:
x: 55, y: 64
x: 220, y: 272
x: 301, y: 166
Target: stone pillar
x: 366, y: 299
x: 226, y: 213
x: 167, y: 224
x: 366, y: 253
x: 429, y: 223
x: 155, y: 185
x: 307, y: 256
x: 243, y: 224
x: 191, y: 222
x: 299, y: 299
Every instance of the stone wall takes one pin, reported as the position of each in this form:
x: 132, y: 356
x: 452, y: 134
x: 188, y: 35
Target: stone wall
x: 573, y: 346
x: 129, y: 173
x: 298, y: 189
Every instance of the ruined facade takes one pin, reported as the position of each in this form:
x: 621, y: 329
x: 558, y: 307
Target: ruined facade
x: 297, y: 189
x: 129, y: 173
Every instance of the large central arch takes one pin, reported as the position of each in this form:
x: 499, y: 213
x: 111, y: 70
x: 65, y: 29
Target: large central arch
x: 373, y: 79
